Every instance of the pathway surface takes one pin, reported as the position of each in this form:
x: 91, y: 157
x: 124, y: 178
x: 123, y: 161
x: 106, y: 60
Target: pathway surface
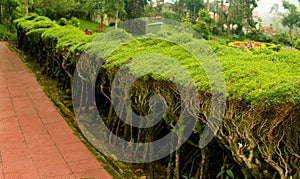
x: 35, y: 141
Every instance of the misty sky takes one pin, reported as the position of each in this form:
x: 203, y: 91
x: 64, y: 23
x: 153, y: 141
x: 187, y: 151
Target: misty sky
x: 264, y: 7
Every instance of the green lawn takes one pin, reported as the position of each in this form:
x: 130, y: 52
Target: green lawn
x: 84, y: 24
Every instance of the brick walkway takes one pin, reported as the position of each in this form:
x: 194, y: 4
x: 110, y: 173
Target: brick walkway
x: 35, y: 141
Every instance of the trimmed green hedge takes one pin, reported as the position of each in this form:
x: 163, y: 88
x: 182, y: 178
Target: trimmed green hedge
x: 261, y: 125
x: 55, y: 47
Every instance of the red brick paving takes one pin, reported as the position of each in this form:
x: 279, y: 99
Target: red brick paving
x: 35, y: 141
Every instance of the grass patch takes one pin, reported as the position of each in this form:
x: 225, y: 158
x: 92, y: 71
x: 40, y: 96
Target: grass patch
x: 85, y: 24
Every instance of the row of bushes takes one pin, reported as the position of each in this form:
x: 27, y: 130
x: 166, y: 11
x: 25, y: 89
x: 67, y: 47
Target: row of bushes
x: 259, y: 137
x: 4, y: 32
x: 282, y: 38
x: 53, y: 46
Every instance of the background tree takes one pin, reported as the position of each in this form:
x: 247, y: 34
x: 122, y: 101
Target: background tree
x: 115, y: 9
x: 135, y: 8
x: 204, y: 25
x: 235, y: 13
x: 276, y: 15
x: 240, y: 13
x: 9, y: 11
x: 186, y: 20
x: 292, y: 18
x: 192, y: 6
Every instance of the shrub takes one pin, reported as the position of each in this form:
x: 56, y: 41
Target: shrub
x: 205, y: 23
x: 234, y: 37
x: 297, y: 44
x: 62, y: 21
x: 49, y: 12
x: 75, y: 22
x: 274, y: 47
x: 257, y: 51
x: 281, y: 38
x: 221, y: 50
x: 217, y: 31
x: 4, y: 32
x: 181, y: 38
x: 172, y: 16
x: 203, y: 29
x: 259, y: 36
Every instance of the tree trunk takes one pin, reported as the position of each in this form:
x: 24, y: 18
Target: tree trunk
x: 177, y: 164
x: 202, y: 165
x: 1, y: 13
x: 207, y: 3
x: 117, y: 16
x: 26, y: 10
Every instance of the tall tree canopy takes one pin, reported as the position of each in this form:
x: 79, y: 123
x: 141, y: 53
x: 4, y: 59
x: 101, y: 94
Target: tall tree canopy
x: 135, y: 8
x: 191, y: 6
x: 292, y: 18
x: 9, y: 10
x: 115, y: 9
x: 237, y: 13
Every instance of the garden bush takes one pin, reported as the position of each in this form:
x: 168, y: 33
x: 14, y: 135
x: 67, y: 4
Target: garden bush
x: 262, y: 93
x: 63, y: 21
x: 259, y: 136
x: 297, y: 44
x: 75, y: 22
x: 4, y: 32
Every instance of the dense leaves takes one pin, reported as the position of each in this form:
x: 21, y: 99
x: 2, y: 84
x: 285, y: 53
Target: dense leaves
x: 292, y: 18
x: 260, y: 129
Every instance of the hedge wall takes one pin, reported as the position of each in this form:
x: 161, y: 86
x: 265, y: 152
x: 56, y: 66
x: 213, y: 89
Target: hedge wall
x: 260, y: 134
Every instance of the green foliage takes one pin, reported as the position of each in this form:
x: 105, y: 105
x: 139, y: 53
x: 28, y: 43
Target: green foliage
x: 257, y: 51
x: 186, y: 20
x: 40, y: 27
x: 75, y: 22
x: 238, y: 12
x: 33, y: 22
x: 29, y: 17
x: 172, y: 16
x: 47, y: 11
x: 297, y: 44
x: 281, y: 38
x: 62, y: 21
x: 258, y: 77
x: 57, y: 32
x: 191, y: 6
x: 35, y: 34
x: 181, y: 38
x: 57, y: 9
x: 204, y: 25
x: 134, y: 8
x: 91, y: 26
x: 229, y: 173
x: 9, y: 12
x: 265, y: 77
x: 226, y: 171
x: 109, y: 39
x: 292, y: 18
x: 222, y: 50
x: 4, y: 32
x: 75, y: 41
x: 262, y: 78
x: 115, y: 8
x: 274, y: 47
x: 256, y: 35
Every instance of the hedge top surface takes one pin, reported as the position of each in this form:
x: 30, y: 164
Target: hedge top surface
x: 33, y: 21
x: 257, y: 79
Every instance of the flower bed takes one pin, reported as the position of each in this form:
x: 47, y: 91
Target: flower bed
x: 248, y: 44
